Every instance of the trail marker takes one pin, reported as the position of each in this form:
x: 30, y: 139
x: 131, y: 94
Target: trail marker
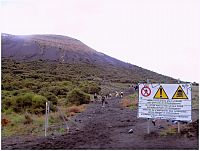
x: 160, y: 94
x: 179, y: 94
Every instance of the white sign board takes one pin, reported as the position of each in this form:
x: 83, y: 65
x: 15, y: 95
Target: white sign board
x: 165, y: 101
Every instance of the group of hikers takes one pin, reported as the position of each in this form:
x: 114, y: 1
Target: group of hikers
x: 107, y: 96
x: 117, y: 94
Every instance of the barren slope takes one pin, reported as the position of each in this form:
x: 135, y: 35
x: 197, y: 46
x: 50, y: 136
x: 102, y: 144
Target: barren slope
x: 69, y: 50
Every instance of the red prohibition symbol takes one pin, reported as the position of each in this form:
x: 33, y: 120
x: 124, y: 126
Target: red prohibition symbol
x: 145, y: 91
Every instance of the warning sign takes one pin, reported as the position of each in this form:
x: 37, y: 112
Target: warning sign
x: 145, y: 91
x: 160, y: 94
x: 165, y: 101
x: 179, y: 94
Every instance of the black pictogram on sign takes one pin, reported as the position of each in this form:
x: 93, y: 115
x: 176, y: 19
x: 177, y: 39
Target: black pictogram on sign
x: 146, y: 91
x: 160, y: 94
x: 179, y: 94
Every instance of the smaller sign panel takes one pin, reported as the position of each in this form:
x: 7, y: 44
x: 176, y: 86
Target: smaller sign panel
x: 160, y: 94
x: 145, y: 91
x: 179, y: 94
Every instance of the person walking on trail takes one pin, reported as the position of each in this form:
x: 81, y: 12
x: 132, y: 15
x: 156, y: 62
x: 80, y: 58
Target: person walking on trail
x: 154, y: 122
x: 107, y: 95
x: 110, y: 95
x: 95, y: 97
x: 121, y: 94
x: 136, y: 87
x: 116, y: 94
x: 103, y: 101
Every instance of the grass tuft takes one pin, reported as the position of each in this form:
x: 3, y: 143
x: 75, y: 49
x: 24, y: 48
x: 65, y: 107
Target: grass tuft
x: 171, y: 130
x: 71, y: 111
x: 130, y: 101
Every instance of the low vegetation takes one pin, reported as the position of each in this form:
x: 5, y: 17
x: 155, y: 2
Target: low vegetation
x: 130, y: 101
x: 170, y: 130
x: 75, y: 109
x: 26, y: 86
x: 78, y: 97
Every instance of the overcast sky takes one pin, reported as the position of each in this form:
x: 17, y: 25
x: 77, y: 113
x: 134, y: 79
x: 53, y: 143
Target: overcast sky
x: 159, y: 35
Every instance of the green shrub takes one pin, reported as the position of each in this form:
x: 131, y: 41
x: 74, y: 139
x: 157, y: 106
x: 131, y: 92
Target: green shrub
x: 7, y: 103
x: 78, y: 97
x: 50, y: 97
x: 29, y: 102
x: 68, y: 84
x: 7, y: 86
x: 6, y: 93
x: 58, y: 90
x: 23, y: 102
x: 29, y: 84
x: 39, y: 103
x: 90, y: 87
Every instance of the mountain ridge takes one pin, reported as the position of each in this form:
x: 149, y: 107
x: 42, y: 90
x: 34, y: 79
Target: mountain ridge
x: 64, y: 49
x: 59, y: 47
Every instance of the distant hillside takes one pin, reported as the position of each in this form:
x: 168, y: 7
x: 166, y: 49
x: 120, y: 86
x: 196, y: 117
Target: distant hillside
x: 52, y: 47
x: 49, y: 51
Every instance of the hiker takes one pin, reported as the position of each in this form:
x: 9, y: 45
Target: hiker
x: 103, y: 101
x: 95, y: 97
x: 136, y: 87
x: 157, y: 123
x: 116, y: 94
x: 107, y: 95
x: 121, y: 94
x: 110, y: 95
x: 154, y: 122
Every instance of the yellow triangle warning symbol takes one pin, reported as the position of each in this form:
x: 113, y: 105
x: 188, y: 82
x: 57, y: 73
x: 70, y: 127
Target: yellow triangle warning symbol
x: 179, y: 94
x: 161, y: 94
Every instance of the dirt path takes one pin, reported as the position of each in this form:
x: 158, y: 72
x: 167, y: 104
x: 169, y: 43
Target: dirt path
x: 106, y: 128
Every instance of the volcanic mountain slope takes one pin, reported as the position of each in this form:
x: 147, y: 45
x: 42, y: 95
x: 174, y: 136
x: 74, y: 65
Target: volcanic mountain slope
x: 51, y: 47
x: 62, y: 49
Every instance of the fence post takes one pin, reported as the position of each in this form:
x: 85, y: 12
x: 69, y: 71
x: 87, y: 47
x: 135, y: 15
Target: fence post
x: 47, y: 110
x: 45, y: 126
